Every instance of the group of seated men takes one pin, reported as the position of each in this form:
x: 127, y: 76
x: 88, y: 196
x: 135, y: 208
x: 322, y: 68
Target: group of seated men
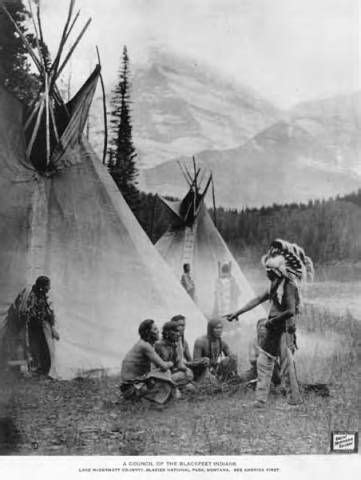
x: 158, y: 369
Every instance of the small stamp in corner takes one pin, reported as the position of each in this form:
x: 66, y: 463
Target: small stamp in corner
x: 344, y: 442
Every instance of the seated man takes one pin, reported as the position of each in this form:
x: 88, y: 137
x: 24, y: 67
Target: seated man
x: 199, y: 367
x: 170, y: 350
x: 180, y: 321
x: 253, y: 352
x: 222, y: 363
x: 137, y: 379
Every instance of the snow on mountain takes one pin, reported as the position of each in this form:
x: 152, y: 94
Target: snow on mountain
x: 259, y: 154
x: 180, y: 107
x: 282, y: 164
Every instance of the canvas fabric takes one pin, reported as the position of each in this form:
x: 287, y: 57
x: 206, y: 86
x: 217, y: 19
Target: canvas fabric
x: 210, y: 250
x: 76, y: 228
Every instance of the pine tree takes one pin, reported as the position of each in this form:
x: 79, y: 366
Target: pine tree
x: 15, y: 72
x: 122, y: 154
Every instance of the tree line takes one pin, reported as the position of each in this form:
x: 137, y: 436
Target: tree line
x: 15, y: 71
x: 329, y: 230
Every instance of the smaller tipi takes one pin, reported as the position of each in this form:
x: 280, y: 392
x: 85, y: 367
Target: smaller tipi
x: 192, y: 238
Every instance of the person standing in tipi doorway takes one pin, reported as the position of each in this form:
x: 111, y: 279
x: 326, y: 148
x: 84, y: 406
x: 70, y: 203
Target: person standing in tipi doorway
x: 187, y: 281
x: 226, y: 291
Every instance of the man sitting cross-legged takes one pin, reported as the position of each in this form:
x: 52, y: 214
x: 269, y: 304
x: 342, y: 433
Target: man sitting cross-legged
x: 200, y: 366
x: 170, y: 350
x: 137, y: 378
x: 222, y: 362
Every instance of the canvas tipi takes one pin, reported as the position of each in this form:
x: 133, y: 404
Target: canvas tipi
x: 192, y: 238
x: 62, y: 215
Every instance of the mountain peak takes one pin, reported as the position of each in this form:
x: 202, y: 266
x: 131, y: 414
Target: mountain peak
x: 181, y: 107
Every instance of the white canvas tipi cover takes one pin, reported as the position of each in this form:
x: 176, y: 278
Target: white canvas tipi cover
x: 75, y: 227
x: 220, y: 285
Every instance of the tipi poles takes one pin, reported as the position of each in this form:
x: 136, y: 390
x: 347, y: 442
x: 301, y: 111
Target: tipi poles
x: 188, y: 173
x: 186, y: 177
x: 214, y: 203
x: 47, y: 122
x: 33, y: 113
x: 39, y: 22
x: 24, y: 39
x: 36, y: 36
x: 63, y: 39
x: 105, y: 146
x: 153, y: 217
x: 36, y: 127
x: 72, y: 25
x: 195, y: 170
x: 48, y: 109
x: 56, y: 133
x: 195, y: 187
x: 61, y: 68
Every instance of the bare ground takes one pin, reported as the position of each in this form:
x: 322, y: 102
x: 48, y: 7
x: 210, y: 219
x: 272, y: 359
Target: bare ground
x: 88, y: 416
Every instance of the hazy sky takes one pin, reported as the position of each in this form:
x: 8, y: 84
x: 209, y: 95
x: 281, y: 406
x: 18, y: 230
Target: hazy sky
x: 287, y: 50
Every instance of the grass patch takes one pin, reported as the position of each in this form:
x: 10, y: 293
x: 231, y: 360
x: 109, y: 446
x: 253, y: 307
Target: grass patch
x: 87, y: 417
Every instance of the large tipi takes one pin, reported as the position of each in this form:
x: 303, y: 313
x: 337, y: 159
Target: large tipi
x: 62, y: 215
x: 192, y: 238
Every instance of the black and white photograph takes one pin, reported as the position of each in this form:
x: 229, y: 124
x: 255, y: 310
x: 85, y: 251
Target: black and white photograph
x: 180, y: 234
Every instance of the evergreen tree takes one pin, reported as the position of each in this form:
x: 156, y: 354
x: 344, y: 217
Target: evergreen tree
x: 122, y: 154
x: 15, y: 72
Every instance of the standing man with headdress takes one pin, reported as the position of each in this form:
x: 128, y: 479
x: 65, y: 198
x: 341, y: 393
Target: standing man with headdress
x: 287, y: 267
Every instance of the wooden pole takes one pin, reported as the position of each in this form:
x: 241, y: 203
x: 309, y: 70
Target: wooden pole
x: 105, y: 117
x: 24, y: 39
x: 41, y: 36
x: 52, y: 116
x: 62, y: 40
x: 72, y: 25
x: 47, y: 123
x: 214, y: 202
x: 202, y: 178
x: 61, y: 68
x: 39, y: 22
x: 187, y: 179
x: 194, y: 168
x: 188, y: 173
x: 53, y: 89
x: 33, y: 113
x: 36, y: 128
x: 153, y: 217
x: 36, y: 35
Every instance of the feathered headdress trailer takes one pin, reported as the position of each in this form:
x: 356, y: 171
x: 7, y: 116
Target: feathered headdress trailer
x: 288, y: 260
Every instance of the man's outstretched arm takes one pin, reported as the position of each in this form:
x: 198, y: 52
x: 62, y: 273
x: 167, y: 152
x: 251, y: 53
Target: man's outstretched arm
x: 249, y: 306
